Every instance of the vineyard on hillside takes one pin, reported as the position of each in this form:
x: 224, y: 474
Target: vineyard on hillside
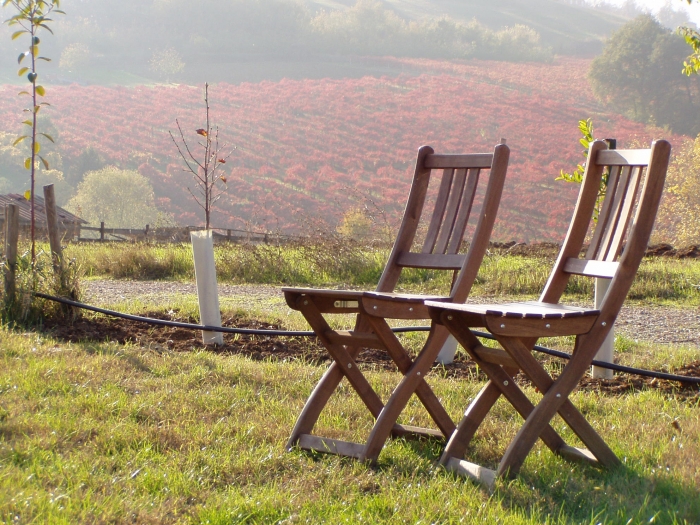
x: 311, y: 150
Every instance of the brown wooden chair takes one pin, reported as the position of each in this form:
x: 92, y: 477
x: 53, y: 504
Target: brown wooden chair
x: 634, y: 187
x: 446, y: 223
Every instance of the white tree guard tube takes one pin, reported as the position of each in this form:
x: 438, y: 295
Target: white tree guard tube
x: 606, y: 353
x: 448, y: 351
x: 207, y: 291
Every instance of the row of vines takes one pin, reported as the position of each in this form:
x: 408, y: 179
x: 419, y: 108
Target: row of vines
x: 310, y: 150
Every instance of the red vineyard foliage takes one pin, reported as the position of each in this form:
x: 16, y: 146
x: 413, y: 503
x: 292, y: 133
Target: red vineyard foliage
x: 310, y: 149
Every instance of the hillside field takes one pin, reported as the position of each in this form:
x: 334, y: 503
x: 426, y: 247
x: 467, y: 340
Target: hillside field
x: 310, y: 150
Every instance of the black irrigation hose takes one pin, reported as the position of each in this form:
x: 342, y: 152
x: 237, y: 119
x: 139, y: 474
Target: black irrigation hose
x: 192, y: 326
x: 403, y: 329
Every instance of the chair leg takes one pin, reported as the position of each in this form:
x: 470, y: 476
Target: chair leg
x: 316, y: 403
x: 398, y: 400
x: 403, y: 362
x: 473, y: 417
x: 554, y: 400
x: 341, y: 367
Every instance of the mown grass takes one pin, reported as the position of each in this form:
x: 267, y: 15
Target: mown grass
x: 103, y: 433
x: 660, y: 280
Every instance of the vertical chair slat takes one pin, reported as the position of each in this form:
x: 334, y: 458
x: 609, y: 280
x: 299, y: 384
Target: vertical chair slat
x: 613, y: 217
x: 604, y: 213
x: 464, y: 211
x: 438, y: 211
x: 625, y: 214
x: 452, y: 209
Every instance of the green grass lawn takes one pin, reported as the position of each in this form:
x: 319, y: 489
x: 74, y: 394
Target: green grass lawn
x: 103, y: 433
x: 98, y: 432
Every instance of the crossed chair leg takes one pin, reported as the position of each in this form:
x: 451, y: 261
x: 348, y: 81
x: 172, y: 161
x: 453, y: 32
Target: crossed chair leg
x: 500, y: 367
x: 344, y: 349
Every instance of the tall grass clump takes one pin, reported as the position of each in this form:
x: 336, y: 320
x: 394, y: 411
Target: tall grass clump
x: 335, y: 260
x: 326, y: 260
x: 136, y: 261
x: 22, y: 308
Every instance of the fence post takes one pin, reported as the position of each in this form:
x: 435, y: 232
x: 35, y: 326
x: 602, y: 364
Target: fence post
x: 145, y: 233
x: 11, y: 240
x: 52, y: 226
x: 102, y: 231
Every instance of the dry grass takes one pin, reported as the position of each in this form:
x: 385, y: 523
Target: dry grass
x: 334, y: 261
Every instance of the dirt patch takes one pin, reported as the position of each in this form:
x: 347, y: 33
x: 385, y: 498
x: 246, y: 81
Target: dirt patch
x: 666, y: 250
x: 306, y: 349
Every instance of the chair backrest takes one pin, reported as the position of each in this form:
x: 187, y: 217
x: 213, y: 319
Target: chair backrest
x: 447, y: 220
x: 624, y: 224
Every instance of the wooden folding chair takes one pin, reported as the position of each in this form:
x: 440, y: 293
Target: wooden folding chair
x: 517, y: 326
x: 447, y: 224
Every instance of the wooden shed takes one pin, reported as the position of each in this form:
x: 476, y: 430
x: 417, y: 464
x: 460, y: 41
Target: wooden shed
x: 69, y: 224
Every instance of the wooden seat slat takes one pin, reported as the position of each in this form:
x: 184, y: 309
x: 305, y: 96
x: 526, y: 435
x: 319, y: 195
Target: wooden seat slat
x: 613, y: 218
x: 438, y: 215
x: 464, y: 211
x: 603, y: 215
x: 627, y: 207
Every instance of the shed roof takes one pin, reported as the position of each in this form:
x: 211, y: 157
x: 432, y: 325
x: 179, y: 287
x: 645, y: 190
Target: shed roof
x: 64, y: 216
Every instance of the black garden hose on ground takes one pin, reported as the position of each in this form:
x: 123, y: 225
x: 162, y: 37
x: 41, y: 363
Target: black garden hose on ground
x: 403, y: 329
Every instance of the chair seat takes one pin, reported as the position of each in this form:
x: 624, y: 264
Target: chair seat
x: 530, y: 318
x: 526, y: 310
x: 387, y: 304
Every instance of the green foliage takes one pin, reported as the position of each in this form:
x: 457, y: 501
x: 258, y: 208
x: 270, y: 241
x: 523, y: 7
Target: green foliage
x: 586, y: 129
x: 637, y: 75
x: 75, y: 168
x: 119, y: 198
x: 74, y: 57
x: 284, y: 28
x: 678, y: 221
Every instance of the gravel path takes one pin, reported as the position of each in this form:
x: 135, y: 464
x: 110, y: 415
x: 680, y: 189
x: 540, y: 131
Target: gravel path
x: 655, y: 324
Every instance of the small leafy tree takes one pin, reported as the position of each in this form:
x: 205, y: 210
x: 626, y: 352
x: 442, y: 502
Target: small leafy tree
x: 692, y: 37
x: 122, y: 198
x: 586, y: 129
x: 32, y: 16
x: 204, y: 170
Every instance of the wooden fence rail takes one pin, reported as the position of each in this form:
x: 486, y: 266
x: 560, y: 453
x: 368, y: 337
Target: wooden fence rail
x: 179, y: 234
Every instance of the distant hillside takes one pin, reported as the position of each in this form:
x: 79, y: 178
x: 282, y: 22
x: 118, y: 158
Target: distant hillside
x: 310, y: 151
x: 568, y: 29
x: 250, y: 40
